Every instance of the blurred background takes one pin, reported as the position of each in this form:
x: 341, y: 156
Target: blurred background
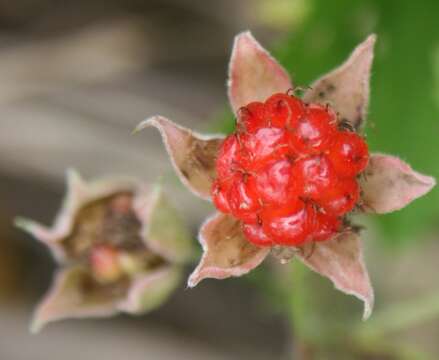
x: 77, y: 76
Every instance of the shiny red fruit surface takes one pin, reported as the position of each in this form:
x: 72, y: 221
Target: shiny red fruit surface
x: 289, y: 172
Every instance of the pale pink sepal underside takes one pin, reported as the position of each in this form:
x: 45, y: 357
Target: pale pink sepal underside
x: 69, y: 297
x: 192, y: 155
x: 389, y: 184
x: 65, y: 299
x: 341, y: 260
x: 226, y: 252
x: 346, y: 88
x: 254, y: 74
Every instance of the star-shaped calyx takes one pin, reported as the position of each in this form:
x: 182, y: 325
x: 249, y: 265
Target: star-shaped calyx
x: 314, y: 150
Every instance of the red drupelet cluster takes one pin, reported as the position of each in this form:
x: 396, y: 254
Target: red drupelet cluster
x: 289, y: 171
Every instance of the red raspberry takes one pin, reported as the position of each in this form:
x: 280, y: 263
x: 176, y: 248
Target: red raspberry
x: 243, y: 198
x: 252, y: 117
x: 315, y: 174
x: 256, y: 234
x: 314, y: 132
x: 349, y: 154
x: 341, y: 198
x: 219, y: 195
x: 274, y: 182
x: 290, y: 225
x: 266, y: 144
x: 327, y: 226
x: 283, y: 110
x: 231, y: 157
x: 288, y: 173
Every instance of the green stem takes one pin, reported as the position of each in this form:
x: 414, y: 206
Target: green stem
x: 297, y: 299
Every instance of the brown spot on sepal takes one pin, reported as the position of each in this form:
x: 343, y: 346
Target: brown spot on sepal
x: 205, y: 154
x: 330, y: 88
x: 192, y: 155
x: 346, y: 88
x: 226, y: 250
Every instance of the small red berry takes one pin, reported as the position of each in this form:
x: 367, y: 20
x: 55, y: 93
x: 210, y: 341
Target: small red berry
x: 266, y: 144
x: 341, y: 198
x: 227, y: 157
x: 243, y: 198
x: 231, y: 157
x: 315, y: 131
x: 274, y: 183
x: 349, y: 154
x: 283, y: 110
x: 219, y: 196
x: 290, y: 225
x: 256, y: 234
x: 315, y: 174
x: 288, y: 173
x: 252, y: 117
x: 327, y: 226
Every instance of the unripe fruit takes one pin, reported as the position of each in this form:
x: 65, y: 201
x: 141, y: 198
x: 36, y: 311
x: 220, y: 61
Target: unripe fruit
x: 104, y: 263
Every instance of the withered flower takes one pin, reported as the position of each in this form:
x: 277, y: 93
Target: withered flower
x: 120, y: 246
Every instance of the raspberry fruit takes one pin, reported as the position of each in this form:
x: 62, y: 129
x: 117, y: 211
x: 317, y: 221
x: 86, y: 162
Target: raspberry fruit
x: 341, y: 198
x: 219, y: 195
x: 349, y: 154
x: 315, y: 174
x: 288, y: 172
x: 290, y: 225
x: 232, y: 157
x: 255, y: 234
x: 252, y: 117
x: 266, y: 144
x: 282, y: 110
x: 328, y: 225
x: 243, y: 198
x: 315, y: 131
x: 274, y: 182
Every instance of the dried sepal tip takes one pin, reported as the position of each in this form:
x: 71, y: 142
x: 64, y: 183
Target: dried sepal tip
x: 192, y: 155
x: 226, y: 252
